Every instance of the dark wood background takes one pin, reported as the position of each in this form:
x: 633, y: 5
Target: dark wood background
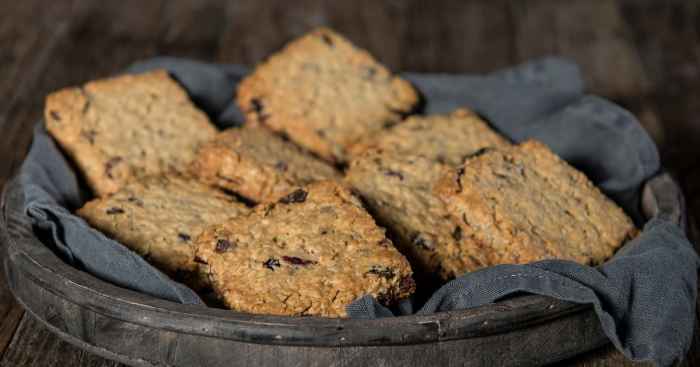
x: 643, y: 54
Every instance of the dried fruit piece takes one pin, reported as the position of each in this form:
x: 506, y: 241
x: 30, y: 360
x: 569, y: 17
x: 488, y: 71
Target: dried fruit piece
x: 259, y: 109
x: 89, y: 135
x: 281, y: 166
x: 298, y: 261
x: 55, y: 115
x: 136, y: 201
x: 296, y: 196
x: 407, y: 284
x: 110, y: 164
x: 222, y: 245
x: 381, y: 271
x: 394, y: 174
x: 327, y: 40
x: 271, y: 263
x: 114, y: 210
x: 422, y: 242
x: 457, y: 233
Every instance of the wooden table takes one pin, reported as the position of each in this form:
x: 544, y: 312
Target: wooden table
x: 644, y: 54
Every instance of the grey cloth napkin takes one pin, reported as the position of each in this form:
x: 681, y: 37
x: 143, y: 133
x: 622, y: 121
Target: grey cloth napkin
x: 51, y: 192
x: 644, y: 296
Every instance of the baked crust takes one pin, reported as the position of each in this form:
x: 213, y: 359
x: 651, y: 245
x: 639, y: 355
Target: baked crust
x: 325, y: 94
x: 312, y: 253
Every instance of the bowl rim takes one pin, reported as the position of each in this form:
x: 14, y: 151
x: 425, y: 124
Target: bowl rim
x: 661, y: 196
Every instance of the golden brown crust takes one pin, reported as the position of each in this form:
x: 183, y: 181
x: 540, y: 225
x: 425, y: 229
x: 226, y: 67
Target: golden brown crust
x: 399, y: 192
x: 257, y: 164
x: 325, y: 94
x: 126, y: 127
x: 396, y: 173
x: 160, y: 217
x: 312, y: 253
x: 445, y: 138
x: 524, y: 204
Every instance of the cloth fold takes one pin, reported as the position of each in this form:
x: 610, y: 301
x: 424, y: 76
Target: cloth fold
x: 51, y: 191
x: 644, y: 296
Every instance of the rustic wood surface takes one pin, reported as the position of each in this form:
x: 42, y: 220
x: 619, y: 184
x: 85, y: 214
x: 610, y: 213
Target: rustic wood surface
x: 644, y: 54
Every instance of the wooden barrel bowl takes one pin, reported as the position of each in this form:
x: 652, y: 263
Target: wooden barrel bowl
x: 141, y: 330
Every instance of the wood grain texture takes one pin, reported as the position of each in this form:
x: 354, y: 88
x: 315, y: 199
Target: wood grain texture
x: 10, y: 311
x: 24, y: 50
x: 36, y: 346
x: 643, y: 53
x: 603, y: 357
x: 591, y: 32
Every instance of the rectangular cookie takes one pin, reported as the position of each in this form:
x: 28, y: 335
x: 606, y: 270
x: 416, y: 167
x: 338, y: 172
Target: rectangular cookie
x: 524, y: 204
x: 257, y: 164
x: 125, y: 127
x: 311, y: 253
x: 398, y: 190
x: 160, y: 217
x: 447, y: 139
x: 396, y: 172
x: 325, y: 94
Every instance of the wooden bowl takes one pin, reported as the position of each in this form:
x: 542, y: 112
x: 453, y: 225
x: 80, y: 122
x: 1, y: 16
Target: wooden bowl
x: 141, y: 330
